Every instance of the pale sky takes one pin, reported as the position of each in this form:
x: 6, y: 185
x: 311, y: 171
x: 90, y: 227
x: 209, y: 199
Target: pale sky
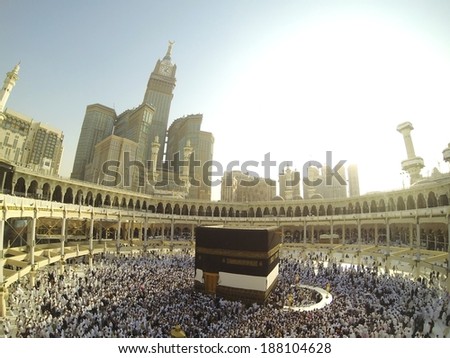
x: 293, y: 78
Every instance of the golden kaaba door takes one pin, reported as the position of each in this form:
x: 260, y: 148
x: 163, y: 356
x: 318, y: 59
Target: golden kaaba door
x: 211, y: 280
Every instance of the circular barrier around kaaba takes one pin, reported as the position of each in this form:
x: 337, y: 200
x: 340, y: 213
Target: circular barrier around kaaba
x: 326, y: 300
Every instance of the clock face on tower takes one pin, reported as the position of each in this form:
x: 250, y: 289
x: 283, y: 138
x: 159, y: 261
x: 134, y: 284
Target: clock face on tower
x: 165, y: 70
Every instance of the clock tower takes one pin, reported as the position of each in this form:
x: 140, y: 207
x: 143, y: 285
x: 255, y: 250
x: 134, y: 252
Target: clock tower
x: 159, y: 95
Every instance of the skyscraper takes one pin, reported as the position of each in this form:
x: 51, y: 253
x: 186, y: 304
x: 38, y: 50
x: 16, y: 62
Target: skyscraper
x: 353, y: 180
x: 289, y: 184
x: 242, y: 187
x: 28, y: 143
x: 324, y: 183
x: 159, y: 95
x: 97, y: 125
x: 185, y: 132
x: 146, y: 126
x: 24, y: 141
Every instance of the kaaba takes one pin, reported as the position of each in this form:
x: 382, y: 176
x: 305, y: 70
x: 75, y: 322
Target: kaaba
x: 237, y: 263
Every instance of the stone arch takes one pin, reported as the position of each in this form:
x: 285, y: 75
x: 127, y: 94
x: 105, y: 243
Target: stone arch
x: 79, y: 197
x: 290, y: 212
x: 401, y: 203
x: 321, y: 210
x: 282, y: 212
x: 216, y: 212
x: 358, y: 208
x: 350, y: 208
x: 68, y: 196
x: 57, y: 194
x: 46, y: 191
x: 382, y: 206
x: 443, y: 200
x: 421, y: 203
x: 410, y: 204
x: 432, y: 201
x: 209, y: 211
x: 160, y: 208
x: 391, y: 205
x: 223, y: 212
x: 168, y: 209
x: 176, y: 209
x: 98, y: 200
x: 237, y: 214
x: 32, y: 189
x: 313, y: 210
x: 274, y: 211
x: 201, y: 211
x: 373, y: 206
x: 116, y: 202
x: 107, y: 201
x: 144, y: 205
x: 123, y: 203
x: 131, y: 204
x: 193, y: 211
x: 266, y: 211
x: 19, y: 188
x: 298, y: 211
x: 365, y: 208
x: 151, y: 208
x: 251, y: 212
x: 258, y: 212
x: 184, y: 210
x: 329, y: 210
x: 305, y: 211
x: 337, y: 211
x: 88, y: 200
x: 231, y: 212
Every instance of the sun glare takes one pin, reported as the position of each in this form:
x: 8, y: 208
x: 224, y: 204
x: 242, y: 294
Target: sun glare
x: 341, y: 85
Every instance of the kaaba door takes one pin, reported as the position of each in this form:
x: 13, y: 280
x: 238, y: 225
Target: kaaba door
x: 211, y: 280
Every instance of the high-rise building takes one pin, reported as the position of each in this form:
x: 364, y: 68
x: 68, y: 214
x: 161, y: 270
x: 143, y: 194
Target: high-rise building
x: 112, y: 150
x: 324, y: 183
x: 97, y: 125
x: 135, y: 125
x: 24, y: 141
x: 289, y: 184
x: 185, y: 132
x: 159, y: 94
x: 28, y: 143
x: 146, y: 126
x: 353, y: 180
x: 312, y: 182
x: 334, y: 185
x: 242, y: 187
x: 141, y: 125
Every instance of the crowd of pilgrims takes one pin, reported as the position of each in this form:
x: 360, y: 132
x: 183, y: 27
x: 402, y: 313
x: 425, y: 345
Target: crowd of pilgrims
x: 147, y: 295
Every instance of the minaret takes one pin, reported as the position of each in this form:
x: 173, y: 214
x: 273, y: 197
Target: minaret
x: 159, y: 94
x: 154, y: 158
x: 413, y: 164
x: 289, y: 176
x: 187, y: 151
x: 446, y: 154
x: 10, y: 81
